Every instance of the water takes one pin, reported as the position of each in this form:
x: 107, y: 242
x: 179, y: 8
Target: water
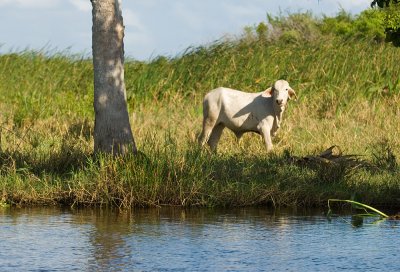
x: 169, y: 239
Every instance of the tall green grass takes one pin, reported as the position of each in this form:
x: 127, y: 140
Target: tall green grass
x: 349, y: 95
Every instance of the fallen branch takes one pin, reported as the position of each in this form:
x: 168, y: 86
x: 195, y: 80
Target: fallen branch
x: 332, y: 156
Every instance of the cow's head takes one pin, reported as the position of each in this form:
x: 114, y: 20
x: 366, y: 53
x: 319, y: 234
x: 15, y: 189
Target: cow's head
x: 281, y: 92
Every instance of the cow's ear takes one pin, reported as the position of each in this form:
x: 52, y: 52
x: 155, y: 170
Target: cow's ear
x: 292, y: 94
x: 269, y: 91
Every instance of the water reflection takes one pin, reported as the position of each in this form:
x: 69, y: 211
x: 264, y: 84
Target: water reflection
x: 165, y: 239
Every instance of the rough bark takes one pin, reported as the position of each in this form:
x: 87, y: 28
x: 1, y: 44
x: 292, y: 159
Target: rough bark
x: 112, y: 130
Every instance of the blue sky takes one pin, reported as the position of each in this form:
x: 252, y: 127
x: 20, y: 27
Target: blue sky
x: 153, y: 27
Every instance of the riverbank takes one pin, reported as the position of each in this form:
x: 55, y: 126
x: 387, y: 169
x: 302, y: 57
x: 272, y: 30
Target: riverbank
x: 349, y: 95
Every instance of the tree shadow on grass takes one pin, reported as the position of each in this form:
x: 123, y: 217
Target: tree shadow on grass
x: 60, y: 162
x: 29, y: 156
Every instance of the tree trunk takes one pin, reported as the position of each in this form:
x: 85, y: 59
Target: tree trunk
x: 112, y: 131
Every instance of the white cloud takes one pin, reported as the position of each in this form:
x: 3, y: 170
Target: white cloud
x: 139, y: 44
x: 333, y: 6
x: 242, y: 10
x: 353, y: 4
x: 138, y: 38
x: 189, y: 14
x: 30, y: 3
x: 81, y: 5
x: 5, y: 2
x: 132, y: 19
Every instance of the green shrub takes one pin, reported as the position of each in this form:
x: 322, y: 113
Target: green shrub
x: 368, y: 24
x: 392, y: 23
x: 339, y: 25
x: 300, y: 27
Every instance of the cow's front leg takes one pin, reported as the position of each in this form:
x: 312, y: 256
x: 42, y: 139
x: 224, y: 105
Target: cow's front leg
x: 265, y: 130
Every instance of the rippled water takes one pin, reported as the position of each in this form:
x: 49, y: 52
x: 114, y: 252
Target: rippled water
x: 194, y: 240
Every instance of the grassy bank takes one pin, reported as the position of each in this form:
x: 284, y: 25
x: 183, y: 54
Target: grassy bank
x: 349, y: 95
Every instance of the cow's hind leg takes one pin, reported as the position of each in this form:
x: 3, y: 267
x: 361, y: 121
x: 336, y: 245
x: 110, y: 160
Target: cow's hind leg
x: 215, y: 136
x: 208, y: 125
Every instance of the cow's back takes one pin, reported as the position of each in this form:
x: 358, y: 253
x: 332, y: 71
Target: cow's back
x: 234, y: 108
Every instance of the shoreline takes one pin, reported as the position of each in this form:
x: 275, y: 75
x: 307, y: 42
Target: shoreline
x: 199, y: 179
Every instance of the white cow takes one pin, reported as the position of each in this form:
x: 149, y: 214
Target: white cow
x: 244, y: 112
